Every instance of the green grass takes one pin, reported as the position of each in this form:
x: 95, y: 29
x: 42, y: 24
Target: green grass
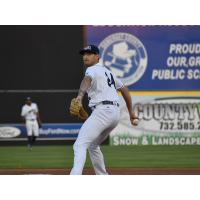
x: 115, y: 156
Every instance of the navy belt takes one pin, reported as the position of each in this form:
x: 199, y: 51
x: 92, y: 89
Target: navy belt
x: 106, y: 103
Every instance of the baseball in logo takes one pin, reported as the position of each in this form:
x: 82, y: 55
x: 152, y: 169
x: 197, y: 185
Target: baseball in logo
x: 125, y: 55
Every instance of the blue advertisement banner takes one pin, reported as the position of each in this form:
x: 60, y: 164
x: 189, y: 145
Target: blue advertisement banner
x: 150, y: 58
x: 48, y: 131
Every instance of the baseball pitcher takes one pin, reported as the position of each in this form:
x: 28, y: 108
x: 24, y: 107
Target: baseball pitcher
x: 101, y: 85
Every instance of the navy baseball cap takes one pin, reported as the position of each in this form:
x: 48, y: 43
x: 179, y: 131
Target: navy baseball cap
x: 90, y: 49
x: 28, y: 98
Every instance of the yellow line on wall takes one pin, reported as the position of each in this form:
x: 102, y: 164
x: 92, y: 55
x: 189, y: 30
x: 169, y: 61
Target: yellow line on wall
x: 163, y: 93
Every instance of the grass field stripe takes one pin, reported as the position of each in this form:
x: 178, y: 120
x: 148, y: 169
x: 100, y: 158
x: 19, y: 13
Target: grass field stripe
x: 61, y: 156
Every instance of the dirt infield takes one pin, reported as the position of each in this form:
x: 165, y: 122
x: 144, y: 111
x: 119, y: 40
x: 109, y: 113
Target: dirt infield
x: 111, y: 171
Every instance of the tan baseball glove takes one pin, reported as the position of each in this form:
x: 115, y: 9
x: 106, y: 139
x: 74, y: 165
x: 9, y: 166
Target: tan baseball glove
x: 77, y: 109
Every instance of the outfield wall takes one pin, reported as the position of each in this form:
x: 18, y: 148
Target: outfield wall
x: 41, y: 62
x: 161, y: 67
x: 159, y: 64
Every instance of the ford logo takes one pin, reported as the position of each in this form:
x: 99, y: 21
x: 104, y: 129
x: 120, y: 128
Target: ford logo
x: 9, y: 132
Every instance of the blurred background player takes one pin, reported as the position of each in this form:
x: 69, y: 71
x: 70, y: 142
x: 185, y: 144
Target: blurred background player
x: 30, y: 116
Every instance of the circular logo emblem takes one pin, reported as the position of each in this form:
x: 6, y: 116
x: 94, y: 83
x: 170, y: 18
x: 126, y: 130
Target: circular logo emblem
x: 9, y: 132
x: 125, y: 56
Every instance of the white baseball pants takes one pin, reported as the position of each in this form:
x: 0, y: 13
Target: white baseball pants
x: 93, y: 132
x: 32, y: 128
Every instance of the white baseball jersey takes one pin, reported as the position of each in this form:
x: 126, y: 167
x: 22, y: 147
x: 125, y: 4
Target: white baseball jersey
x: 103, y: 86
x: 29, y: 112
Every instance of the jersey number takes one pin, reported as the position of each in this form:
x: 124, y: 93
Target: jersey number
x: 110, y: 80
